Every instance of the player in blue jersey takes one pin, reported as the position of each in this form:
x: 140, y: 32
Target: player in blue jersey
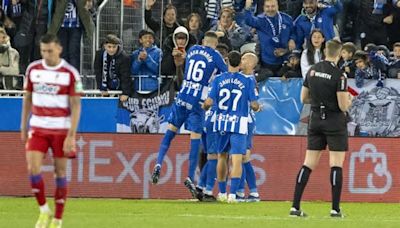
x: 233, y: 93
x: 202, y: 62
x: 248, y: 63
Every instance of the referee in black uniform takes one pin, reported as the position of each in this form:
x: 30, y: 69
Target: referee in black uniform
x: 325, y: 88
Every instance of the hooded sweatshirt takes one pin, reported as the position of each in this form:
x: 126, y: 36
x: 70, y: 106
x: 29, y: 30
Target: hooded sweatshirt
x: 167, y: 64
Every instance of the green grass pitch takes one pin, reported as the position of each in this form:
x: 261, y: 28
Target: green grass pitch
x: 116, y: 213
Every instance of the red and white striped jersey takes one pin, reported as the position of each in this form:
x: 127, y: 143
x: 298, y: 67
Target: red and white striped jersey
x: 51, y: 88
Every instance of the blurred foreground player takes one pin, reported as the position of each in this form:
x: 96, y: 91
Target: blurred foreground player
x: 52, y: 98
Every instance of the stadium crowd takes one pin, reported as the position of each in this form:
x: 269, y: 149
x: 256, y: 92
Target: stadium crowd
x: 287, y: 45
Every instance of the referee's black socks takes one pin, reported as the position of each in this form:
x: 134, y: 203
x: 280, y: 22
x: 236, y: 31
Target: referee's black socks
x: 301, y: 182
x: 336, y: 182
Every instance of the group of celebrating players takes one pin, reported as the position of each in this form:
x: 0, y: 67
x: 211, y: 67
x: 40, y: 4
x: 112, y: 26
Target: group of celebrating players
x: 216, y: 102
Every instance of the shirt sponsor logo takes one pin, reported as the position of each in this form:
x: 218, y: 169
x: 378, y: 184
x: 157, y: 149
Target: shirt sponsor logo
x: 45, y: 88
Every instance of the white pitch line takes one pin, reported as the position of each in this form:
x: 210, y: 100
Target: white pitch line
x: 325, y: 218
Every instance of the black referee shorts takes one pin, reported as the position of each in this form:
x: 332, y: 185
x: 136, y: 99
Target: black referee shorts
x: 332, y: 132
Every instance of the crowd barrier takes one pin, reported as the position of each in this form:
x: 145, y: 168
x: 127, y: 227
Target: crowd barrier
x: 119, y: 165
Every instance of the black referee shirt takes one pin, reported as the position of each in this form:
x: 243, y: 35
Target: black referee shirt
x: 323, y: 80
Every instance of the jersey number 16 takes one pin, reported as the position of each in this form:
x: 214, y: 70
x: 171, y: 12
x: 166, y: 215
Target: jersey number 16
x: 196, y: 70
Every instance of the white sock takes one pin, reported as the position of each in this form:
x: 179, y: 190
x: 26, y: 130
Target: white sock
x: 210, y: 193
x: 44, y: 208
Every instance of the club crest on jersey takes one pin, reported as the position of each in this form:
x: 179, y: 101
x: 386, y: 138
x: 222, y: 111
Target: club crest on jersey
x: 45, y: 88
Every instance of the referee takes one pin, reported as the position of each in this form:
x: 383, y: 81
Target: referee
x: 325, y: 88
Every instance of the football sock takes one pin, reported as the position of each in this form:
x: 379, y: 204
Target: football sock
x: 203, y: 176
x: 37, y: 185
x: 60, y: 196
x: 336, y: 182
x: 250, y: 176
x: 234, y: 184
x: 211, y: 174
x: 193, y: 157
x: 242, y: 180
x: 301, y: 182
x: 222, y: 186
x: 166, y: 142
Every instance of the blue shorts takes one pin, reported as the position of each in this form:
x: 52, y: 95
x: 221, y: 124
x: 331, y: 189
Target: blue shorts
x: 193, y: 119
x: 234, y: 143
x: 250, y: 135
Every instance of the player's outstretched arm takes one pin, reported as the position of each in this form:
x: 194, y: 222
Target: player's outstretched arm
x: 26, y: 110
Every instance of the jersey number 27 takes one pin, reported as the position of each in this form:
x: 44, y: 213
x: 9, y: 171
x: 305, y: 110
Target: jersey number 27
x: 226, y: 94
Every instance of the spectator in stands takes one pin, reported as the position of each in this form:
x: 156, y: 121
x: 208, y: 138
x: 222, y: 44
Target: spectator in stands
x: 227, y: 27
x: 223, y: 49
x: 169, y: 23
x: 394, y: 27
x: 9, y: 59
x: 194, y: 25
x: 394, y: 66
x: 377, y: 58
x: 275, y: 33
x: 145, y: 63
x: 366, y: 69
x: 315, y: 15
x: 33, y: 25
x: 174, y: 50
x: 345, y: 20
x: 112, y: 68
x: 7, y: 23
x: 238, y: 6
x: 13, y: 10
x: 346, y: 62
x: 291, y: 68
x: 70, y: 19
x: 383, y: 50
x: 314, y: 53
x: 372, y: 18
x: 213, y: 8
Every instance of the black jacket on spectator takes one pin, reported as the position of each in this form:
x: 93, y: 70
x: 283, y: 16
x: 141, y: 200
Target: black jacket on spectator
x: 167, y: 63
x: 394, y: 68
x: 394, y: 28
x: 156, y: 25
x: 122, y: 67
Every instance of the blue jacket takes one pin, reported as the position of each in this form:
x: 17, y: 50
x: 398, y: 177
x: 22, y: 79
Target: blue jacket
x: 324, y: 20
x: 149, y: 67
x: 265, y: 35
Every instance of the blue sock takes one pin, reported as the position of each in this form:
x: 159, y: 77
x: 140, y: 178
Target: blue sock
x: 235, y: 181
x: 250, y: 177
x: 242, y: 180
x: 222, y: 186
x: 211, y: 174
x: 61, y: 182
x: 203, y: 176
x: 166, y: 142
x: 193, y: 157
